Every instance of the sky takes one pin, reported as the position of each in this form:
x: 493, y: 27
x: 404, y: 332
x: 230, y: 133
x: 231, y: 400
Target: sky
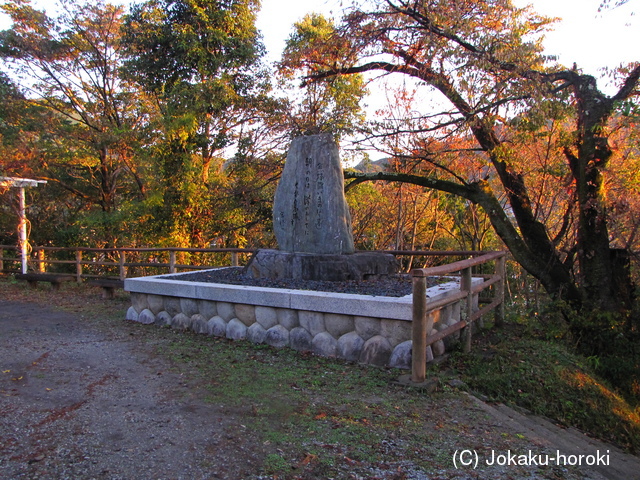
x: 590, y: 39
x: 584, y: 36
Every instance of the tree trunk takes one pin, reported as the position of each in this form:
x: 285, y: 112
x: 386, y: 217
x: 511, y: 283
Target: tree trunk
x: 593, y: 153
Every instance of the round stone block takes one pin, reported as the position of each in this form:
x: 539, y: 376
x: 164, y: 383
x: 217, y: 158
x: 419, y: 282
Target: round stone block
x: 188, y: 306
x: 181, y: 322
x: 350, y: 346
x: 267, y: 317
x: 438, y: 348
x: 277, y: 336
x: 226, y: 311
x: 455, y: 313
x: 445, y: 315
x: 246, y: 314
x: 300, y: 339
x: 367, y: 327
x: 288, y: 318
x: 429, y: 354
x: 401, y: 356
x: 337, y: 325
x: 207, y: 308
x: 199, y: 324
x: 256, y: 333
x: 312, y: 321
x: 395, y: 331
x: 132, y: 315
x: 325, y: 345
x: 451, y: 341
x: 163, y: 318
x: 147, y: 317
x: 217, y: 327
x: 156, y: 303
x: 139, y: 301
x: 376, y: 351
x: 236, y: 330
x: 172, y: 305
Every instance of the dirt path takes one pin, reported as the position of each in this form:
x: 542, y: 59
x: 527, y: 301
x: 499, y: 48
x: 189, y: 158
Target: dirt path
x: 80, y: 401
x: 76, y: 403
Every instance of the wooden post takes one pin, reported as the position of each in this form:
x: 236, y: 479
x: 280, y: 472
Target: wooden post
x: 498, y: 313
x: 172, y: 262
x: 123, y: 270
x: 465, y: 285
x: 1, y: 260
x: 234, y: 259
x: 79, y: 266
x: 41, y: 264
x: 419, y: 331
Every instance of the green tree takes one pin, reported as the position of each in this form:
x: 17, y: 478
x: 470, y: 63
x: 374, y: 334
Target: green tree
x: 68, y: 67
x: 200, y: 61
x: 485, y: 61
x: 332, y: 106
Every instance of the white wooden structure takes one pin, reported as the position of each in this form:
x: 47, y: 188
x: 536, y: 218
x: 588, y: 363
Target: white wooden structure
x: 21, y: 184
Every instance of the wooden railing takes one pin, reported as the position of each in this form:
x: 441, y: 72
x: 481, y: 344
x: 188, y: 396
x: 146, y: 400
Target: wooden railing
x: 423, y: 322
x: 120, y: 262
x: 117, y: 262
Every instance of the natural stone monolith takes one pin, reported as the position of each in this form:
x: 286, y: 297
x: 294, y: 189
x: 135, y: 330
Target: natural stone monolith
x: 310, y: 212
x: 312, y: 223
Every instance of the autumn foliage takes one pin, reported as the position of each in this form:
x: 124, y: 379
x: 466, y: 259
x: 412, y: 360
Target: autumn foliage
x: 162, y: 125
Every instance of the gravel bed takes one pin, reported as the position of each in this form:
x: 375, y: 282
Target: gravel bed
x: 392, y: 286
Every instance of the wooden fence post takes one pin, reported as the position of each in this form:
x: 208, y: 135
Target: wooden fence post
x: 1, y: 260
x: 498, y: 313
x: 419, y: 331
x: 41, y: 264
x: 172, y: 262
x: 465, y: 285
x: 234, y: 259
x: 122, y: 269
x: 79, y: 266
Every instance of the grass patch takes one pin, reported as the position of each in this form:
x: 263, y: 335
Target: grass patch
x: 319, y: 416
x: 515, y: 366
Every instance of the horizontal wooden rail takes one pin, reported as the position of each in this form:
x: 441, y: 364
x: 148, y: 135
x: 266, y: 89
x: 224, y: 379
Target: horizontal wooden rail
x: 456, y: 266
x: 136, y: 249
x: 435, y: 253
x: 44, y: 257
x: 116, y: 259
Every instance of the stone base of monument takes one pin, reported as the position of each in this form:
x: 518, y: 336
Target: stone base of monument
x: 357, y: 328
x: 275, y: 264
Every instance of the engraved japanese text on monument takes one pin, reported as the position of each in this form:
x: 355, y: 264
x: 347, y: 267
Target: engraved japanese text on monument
x: 311, y: 214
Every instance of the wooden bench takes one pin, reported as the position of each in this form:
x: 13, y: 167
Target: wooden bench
x: 55, y: 279
x: 108, y: 285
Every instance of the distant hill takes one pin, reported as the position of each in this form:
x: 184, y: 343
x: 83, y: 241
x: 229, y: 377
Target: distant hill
x: 370, y: 166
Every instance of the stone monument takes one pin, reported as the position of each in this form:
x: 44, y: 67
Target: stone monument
x: 312, y: 223
x: 310, y: 212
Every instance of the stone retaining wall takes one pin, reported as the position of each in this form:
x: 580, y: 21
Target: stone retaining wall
x: 335, y: 327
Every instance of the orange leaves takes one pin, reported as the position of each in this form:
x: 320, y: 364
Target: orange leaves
x: 309, y: 457
x: 314, y: 45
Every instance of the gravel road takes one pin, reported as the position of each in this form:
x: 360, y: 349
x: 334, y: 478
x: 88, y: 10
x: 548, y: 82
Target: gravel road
x: 77, y: 403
